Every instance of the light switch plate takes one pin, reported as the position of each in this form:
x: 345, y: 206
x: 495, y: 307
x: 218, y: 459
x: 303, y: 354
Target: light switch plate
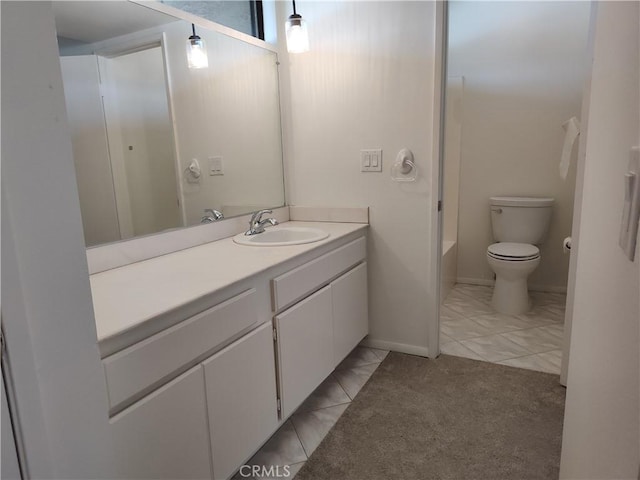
x: 371, y: 160
x: 215, y: 166
x: 631, y: 209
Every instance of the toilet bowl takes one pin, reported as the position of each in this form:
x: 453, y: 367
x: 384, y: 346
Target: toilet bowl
x: 518, y: 225
x: 512, y: 263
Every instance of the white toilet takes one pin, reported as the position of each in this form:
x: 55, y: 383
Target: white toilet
x: 519, y: 224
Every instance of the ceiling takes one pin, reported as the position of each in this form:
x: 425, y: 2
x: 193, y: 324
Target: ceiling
x: 92, y: 21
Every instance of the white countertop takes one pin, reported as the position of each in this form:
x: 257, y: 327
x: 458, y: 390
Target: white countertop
x: 128, y: 296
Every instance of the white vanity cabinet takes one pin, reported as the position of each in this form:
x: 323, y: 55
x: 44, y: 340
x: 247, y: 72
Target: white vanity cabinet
x: 315, y: 334
x: 349, y: 310
x: 305, y: 348
x: 165, y: 435
x: 241, y: 399
x: 215, y: 378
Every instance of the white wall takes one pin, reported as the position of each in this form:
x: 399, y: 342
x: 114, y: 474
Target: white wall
x: 368, y: 82
x: 524, y: 65
x: 90, y: 149
x: 451, y: 168
x: 46, y: 300
x: 601, y: 427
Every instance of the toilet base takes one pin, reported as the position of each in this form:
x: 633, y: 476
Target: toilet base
x: 511, y: 296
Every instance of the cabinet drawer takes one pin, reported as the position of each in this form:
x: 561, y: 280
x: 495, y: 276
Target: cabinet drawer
x: 145, y: 365
x: 294, y: 284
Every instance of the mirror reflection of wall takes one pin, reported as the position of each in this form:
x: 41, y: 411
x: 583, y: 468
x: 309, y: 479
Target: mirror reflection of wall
x: 140, y: 117
x: 123, y: 144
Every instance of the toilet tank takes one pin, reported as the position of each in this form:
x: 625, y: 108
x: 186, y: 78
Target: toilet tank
x: 520, y: 219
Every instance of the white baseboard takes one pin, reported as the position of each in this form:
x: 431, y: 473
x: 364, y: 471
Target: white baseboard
x: 395, y: 347
x: 532, y: 288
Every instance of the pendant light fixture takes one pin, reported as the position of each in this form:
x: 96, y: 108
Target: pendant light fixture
x: 297, y: 35
x: 196, y: 51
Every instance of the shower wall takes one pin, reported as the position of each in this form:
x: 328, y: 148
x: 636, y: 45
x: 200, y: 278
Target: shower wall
x: 524, y: 65
x: 451, y: 183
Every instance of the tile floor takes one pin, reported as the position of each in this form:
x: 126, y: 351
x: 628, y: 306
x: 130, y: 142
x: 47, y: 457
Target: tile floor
x: 469, y: 327
x: 299, y: 436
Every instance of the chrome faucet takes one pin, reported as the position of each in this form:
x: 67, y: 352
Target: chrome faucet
x: 213, y: 216
x: 257, y: 223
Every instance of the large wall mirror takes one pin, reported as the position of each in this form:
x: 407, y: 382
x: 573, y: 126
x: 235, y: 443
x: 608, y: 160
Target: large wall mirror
x: 158, y: 145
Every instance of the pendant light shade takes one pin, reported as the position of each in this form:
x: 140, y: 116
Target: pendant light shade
x: 196, y: 51
x: 297, y: 34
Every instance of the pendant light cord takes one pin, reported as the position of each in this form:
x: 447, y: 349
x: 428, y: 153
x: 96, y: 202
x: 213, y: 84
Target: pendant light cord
x: 294, y: 7
x: 193, y: 28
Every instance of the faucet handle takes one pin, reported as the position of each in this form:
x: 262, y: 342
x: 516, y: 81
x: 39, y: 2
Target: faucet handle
x: 212, y: 215
x: 257, y: 216
x: 217, y: 215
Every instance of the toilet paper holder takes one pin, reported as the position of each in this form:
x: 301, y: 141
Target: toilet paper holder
x: 404, y: 169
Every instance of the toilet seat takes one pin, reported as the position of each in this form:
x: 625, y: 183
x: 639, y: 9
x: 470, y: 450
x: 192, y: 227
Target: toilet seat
x: 513, y: 252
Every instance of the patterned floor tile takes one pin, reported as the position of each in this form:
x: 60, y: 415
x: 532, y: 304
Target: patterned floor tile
x: 463, y: 329
x: 444, y: 339
x: 381, y: 354
x: 467, y: 306
x: 353, y: 380
x: 535, y: 340
x: 359, y: 356
x: 498, y: 322
x: 312, y: 427
x: 328, y: 394
x: 495, y: 348
x: 548, y: 362
x: 458, y: 350
x: 283, y: 448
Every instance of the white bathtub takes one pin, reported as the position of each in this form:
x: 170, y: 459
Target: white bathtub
x: 449, y: 267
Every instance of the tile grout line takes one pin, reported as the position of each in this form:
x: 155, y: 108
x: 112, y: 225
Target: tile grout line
x: 298, y: 435
x: 338, y: 369
x: 547, y: 325
x: 518, y: 344
x: 549, y: 312
x: 324, y: 408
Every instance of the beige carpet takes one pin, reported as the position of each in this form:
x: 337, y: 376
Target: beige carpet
x: 450, y: 418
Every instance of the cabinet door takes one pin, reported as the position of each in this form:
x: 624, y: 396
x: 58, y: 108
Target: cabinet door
x: 165, y: 435
x: 350, y: 313
x: 305, y: 343
x: 241, y: 399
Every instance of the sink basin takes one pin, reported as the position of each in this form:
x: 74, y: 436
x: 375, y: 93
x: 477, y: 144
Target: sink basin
x: 281, y: 236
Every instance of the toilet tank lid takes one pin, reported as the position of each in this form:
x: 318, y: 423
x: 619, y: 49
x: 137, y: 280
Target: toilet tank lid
x: 522, y: 201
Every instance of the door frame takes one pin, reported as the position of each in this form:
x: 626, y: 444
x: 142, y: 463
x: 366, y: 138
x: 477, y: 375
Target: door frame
x: 127, y: 47
x: 442, y: 25
x: 440, y: 76
x: 577, y: 200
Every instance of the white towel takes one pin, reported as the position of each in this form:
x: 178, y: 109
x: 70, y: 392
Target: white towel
x: 572, y: 129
